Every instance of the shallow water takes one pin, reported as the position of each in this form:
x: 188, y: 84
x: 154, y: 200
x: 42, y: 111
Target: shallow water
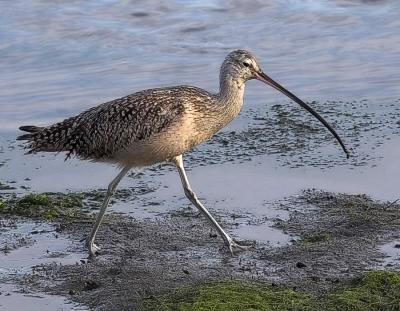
x: 41, y: 246
x: 61, y: 57
x: 15, y: 299
x: 392, y: 253
x: 30, y: 245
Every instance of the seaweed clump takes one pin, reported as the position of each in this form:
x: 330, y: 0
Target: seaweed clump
x: 48, y: 206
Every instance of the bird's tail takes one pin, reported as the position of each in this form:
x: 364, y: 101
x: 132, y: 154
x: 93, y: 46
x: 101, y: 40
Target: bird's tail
x: 38, y: 138
x: 30, y: 129
x: 54, y: 138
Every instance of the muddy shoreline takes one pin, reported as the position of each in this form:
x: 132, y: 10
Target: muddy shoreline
x: 322, y: 241
x: 335, y: 238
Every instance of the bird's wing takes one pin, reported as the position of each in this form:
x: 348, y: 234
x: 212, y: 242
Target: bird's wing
x: 101, y: 131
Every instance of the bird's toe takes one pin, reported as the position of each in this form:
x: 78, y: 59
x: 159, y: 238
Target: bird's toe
x: 236, y: 247
x: 93, y: 249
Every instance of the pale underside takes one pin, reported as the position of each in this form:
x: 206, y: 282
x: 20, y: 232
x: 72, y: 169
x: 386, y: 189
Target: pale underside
x: 175, y: 139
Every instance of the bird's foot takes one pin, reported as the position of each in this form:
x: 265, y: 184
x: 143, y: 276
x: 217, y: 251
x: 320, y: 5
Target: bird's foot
x: 236, y: 247
x: 93, y: 249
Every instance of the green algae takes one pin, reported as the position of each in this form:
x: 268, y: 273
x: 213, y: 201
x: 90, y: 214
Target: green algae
x: 35, y: 199
x: 46, y: 206
x: 375, y: 290
x: 230, y: 296
x: 323, y: 236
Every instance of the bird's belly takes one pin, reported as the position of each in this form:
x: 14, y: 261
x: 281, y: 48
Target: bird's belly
x: 147, y: 153
x: 160, y: 148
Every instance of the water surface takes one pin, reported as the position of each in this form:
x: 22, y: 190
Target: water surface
x: 59, y: 57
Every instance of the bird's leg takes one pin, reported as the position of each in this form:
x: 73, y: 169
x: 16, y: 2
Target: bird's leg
x: 92, y: 247
x: 193, y: 198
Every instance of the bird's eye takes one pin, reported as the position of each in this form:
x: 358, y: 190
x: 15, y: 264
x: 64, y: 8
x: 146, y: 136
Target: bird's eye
x: 246, y: 64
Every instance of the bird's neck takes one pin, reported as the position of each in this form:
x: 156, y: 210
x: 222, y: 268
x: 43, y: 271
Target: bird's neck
x: 231, y: 96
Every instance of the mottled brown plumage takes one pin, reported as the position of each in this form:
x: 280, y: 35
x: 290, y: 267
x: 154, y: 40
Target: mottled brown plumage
x: 156, y: 125
x: 98, y: 133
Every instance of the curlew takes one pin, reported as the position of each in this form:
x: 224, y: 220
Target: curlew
x: 157, y: 125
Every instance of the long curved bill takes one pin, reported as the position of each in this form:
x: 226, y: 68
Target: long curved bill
x: 264, y: 78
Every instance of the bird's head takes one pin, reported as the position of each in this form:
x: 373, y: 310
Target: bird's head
x: 240, y: 66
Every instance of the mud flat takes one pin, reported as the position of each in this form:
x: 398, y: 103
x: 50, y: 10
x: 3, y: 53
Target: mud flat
x: 177, y: 262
